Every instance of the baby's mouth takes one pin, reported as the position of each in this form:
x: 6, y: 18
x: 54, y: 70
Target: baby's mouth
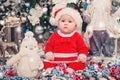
x: 65, y: 27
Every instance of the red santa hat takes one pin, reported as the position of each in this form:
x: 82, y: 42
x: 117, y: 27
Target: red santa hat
x: 59, y: 10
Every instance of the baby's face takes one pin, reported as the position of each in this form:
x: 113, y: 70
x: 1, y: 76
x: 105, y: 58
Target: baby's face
x: 66, y: 24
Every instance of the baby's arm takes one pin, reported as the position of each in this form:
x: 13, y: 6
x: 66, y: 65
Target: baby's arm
x: 49, y: 48
x: 82, y: 49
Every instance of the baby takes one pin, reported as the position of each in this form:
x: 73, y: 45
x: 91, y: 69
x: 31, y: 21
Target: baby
x: 66, y: 45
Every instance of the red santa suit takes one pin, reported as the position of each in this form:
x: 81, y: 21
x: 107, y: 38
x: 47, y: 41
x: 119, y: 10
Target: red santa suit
x: 66, y: 48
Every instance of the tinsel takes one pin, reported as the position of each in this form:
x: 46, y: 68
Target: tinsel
x: 110, y: 71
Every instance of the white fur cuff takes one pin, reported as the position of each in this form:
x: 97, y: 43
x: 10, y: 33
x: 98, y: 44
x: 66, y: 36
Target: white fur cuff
x: 49, y: 53
x: 82, y: 55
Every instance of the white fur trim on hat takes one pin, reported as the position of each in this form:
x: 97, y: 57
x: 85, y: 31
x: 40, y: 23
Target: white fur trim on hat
x: 69, y: 11
x: 55, y: 8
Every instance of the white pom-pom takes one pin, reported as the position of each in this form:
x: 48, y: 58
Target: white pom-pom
x: 29, y: 34
x: 53, y: 21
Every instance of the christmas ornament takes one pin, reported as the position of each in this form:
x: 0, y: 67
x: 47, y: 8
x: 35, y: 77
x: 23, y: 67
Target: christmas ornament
x: 10, y: 72
x: 13, y: 13
x: 2, y: 8
x: 38, y: 29
x: 2, y: 22
x: 46, y: 35
x: 18, y: 29
x: 45, y: 10
x: 88, y: 1
x: 116, y: 3
x: 3, y: 1
x: 35, y: 13
x: 86, y: 19
x: 114, y: 9
x: 118, y: 20
x: 27, y: 4
x: 85, y: 6
x: 42, y: 3
x: 1, y: 74
x: 26, y: 30
x: 40, y: 36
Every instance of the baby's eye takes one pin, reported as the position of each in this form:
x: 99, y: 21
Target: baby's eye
x: 70, y: 21
x: 62, y: 20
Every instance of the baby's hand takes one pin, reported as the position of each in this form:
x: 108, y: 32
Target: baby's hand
x: 49, y: 56
x: 82, y: 58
